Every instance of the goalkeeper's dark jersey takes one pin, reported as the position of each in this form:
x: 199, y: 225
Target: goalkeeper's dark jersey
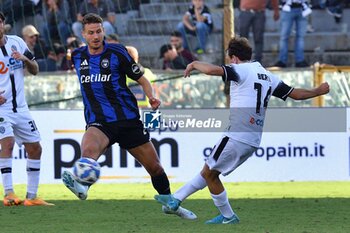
x: 103, y: 86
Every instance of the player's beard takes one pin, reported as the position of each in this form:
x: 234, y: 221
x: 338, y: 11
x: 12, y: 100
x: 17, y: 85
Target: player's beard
x: 96, y: 45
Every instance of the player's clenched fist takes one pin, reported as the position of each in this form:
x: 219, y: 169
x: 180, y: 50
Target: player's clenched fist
x: 323, y: 88
x: 154, y: 103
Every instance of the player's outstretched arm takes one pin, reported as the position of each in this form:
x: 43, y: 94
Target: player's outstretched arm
x: 203, y: 67
x: 302, y: 94
x: 147, y: 88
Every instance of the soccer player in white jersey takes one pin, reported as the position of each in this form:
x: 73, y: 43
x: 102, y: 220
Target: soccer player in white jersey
x: 251, y: 87
x: 16, y: 123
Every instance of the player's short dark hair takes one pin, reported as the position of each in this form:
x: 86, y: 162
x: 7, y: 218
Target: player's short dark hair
x: 239, y: 47
x: 176, y: 34
x: 91, y: 18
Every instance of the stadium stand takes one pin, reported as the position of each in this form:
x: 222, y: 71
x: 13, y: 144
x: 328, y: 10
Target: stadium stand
x: 149, y: 27
x: 146, y: 25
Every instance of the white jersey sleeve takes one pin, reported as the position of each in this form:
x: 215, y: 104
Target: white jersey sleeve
x: 12, y: 74
x: 251, y: 87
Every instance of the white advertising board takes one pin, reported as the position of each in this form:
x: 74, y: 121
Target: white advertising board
x: 317, y: 156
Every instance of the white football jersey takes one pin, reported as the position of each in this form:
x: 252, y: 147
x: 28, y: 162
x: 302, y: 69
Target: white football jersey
x: 251, y: 87
x: 12, y: 74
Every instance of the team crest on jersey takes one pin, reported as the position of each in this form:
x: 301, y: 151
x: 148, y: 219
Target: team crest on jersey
x: 2, y: 129
x: 14, y: 48
x: 105, y: 63
x: 135, y: 68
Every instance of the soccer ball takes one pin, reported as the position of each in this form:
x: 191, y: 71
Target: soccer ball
x: 86, y: 171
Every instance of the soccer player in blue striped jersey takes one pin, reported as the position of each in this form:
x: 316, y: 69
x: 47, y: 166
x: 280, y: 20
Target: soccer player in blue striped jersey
x: 111, y: 111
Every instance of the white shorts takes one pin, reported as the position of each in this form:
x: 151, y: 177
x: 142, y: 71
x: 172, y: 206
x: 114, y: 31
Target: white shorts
x: 228, y: 154
x: 19, y: 125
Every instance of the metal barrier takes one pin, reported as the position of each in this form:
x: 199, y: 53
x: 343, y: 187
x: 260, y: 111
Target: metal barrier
x: 338, y: 78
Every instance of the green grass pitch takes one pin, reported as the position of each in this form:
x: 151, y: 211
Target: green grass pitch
x: 301, y: 207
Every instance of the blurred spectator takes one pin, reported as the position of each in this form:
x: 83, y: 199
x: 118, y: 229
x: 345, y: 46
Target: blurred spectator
x: 177, y: 42
x: 74, y: 6
x: 38, y: 47
x: 55, y: 56
x: 57, y: 21
x: 252, y: 15
x: 173, y: 60
x: 197, y: 21
x: 122, y: 6
x: 72, y: 43
x: 293, y: 11
x: 334, y: 8
x: 19, y: 13
x: 113, y: 38
x: 103, y: 8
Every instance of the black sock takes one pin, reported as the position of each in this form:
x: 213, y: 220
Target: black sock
x: 161, y: 183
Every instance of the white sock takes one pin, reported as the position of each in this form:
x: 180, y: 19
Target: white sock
x: 221, y: 202
x: 6, y: 173
x: 197, y: 183
x: 33, y: 173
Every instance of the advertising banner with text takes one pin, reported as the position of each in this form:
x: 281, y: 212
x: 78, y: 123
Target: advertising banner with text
x: 314, y: 147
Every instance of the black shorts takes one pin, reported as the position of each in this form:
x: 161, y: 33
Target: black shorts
x: 128, y: 133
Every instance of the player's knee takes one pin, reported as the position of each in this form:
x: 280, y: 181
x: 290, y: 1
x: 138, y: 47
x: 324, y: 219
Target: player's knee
x: 209, y: 176
x: 7, y: 146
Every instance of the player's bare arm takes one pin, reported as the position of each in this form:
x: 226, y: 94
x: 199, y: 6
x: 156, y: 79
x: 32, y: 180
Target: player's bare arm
x: 203, y: 67
x: 302, y: 94
x: 147, y: 88
x: 31, y: 65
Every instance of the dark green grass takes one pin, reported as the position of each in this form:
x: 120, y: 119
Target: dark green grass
x: 280, y: 207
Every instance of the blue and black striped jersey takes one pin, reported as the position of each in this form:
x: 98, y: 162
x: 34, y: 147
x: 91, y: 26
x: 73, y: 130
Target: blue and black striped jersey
x: 103, y: 86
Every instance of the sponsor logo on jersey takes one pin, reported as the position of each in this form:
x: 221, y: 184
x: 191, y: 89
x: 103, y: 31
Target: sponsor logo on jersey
x: 15, y: 64
x: 95, y: 78
x: 105, y: 63
x: 2, y: 129
x: 3, y: 68
x: 258, y: 122
x: 84, y: 65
